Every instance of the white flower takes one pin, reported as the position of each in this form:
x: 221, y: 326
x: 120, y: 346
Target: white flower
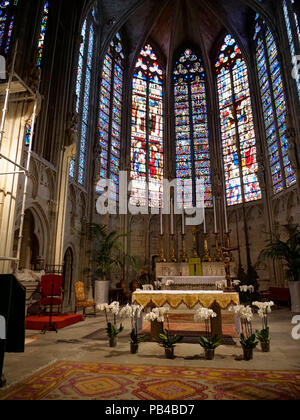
x: 170, y: 283
x: 204, y: 314
x: 243, y: 312
x: 103, y: 307
x: 236, y: 283
x: 157, y: 314
x: 220, y: 285
x: 246, y: 289
x: 264, y: 308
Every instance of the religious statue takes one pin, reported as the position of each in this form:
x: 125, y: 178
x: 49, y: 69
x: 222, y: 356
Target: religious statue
x: 34, y: 78
x: 97, y: 162
x: 292, y: 152
x: 227, y: 260
x: 72, y: 124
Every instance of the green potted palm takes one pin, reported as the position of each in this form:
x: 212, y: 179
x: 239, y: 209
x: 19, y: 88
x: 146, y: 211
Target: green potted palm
x: 108, y: 252
x: 289, y: 253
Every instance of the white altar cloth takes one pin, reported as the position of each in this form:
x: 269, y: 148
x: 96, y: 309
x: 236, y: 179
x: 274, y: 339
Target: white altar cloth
x: 186, y: 280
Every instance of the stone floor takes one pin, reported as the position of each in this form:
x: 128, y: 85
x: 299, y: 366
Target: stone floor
x: 87, y: 342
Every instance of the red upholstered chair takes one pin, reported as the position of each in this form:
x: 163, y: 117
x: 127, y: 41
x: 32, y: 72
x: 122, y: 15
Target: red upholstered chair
x: 51, y: 292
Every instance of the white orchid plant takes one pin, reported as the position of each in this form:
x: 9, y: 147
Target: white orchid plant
x: 114, y: 310
x: 264, y: 309
x: 157, y: 314
x: 134, y: 313
x: 245, y: 313
x: 209, y: 342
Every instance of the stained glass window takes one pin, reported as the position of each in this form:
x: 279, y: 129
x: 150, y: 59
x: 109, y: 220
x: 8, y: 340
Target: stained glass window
x: 191, y: 125
x: 83, y: 92
x: 110, y: 112
x: 237, y: 126
x: 7, y: 17
x: 274, y: 108
x: 147, y: 143
x: 42, y: 33
x: 293, y: 31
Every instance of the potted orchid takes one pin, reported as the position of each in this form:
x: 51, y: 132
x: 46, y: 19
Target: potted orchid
x: 247, y: 294
x: 157, y: 318
x: 134, y: 313
x: 209, y: 343
x: 111, y: 329
x: 168, y: 341
x: 248, y: 339
x: 263, y: 336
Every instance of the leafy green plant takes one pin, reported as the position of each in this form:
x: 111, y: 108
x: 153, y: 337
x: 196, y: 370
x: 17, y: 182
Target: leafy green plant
x: 112, y: 331
x: 168, y: 341
x: 210, y: 343
x: 108, y: 251
x: 263, y: 336
x: 135, y: 338
x: 250, y: 342
x: 288, y: 252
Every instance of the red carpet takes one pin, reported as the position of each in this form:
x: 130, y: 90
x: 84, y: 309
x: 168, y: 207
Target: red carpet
x: 37, y: 323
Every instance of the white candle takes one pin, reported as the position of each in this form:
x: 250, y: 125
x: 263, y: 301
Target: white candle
x: 183, y: 221
x: 172, y: 217
x: 215, y: 216
x: 161, y: 223
x: 204, y: 222
x: 226, y: 217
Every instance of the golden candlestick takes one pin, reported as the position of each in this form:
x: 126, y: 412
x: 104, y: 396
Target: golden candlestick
x: 195, y: 252
x: 173, y: 258
x: 206, y: 256
x: 162, y: 258
x: 184, y: 257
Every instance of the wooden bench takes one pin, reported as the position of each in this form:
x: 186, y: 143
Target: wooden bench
x: 278, y: 295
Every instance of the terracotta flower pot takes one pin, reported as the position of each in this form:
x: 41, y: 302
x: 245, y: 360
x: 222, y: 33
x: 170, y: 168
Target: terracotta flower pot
x: 134, y: 348
x: 265, y: 347
x: 169, y: 353
x: 209, y: 354
x: 113, y: 342
x: 248, y: 354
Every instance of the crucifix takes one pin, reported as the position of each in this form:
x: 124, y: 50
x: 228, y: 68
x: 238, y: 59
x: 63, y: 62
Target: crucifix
x: 227, y: 249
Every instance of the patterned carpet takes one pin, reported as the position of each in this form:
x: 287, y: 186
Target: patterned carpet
x: 92, y: 381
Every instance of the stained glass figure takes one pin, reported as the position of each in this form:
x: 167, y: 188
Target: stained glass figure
x: 274, y: 108
x: 110, y: 113
x: 7, y: 17
x: 237, y: 126
x: 147, y: 143
x: 191, y: 126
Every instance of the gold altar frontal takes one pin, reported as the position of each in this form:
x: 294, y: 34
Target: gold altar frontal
x: 217, y: 301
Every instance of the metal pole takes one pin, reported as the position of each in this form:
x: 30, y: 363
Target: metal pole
x: 26, y: 185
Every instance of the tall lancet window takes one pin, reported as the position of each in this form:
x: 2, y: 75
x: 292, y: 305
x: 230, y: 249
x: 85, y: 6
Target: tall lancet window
x: 274, y: 107
x: 83, y: 92
x: 43, y: 29
x: 237, y: 126
x: 111, y: 98
x: 191, y: 126
x: 293, y: 31
x: 147, y: 141
x: 7, y: 17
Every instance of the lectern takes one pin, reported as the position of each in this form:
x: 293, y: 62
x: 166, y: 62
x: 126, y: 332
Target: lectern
x: 12, y: 309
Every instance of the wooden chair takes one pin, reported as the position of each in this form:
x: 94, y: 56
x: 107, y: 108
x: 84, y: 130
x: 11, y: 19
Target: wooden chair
x: 80, y: 300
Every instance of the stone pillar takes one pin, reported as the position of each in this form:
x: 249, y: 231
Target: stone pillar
x: 67, y: 155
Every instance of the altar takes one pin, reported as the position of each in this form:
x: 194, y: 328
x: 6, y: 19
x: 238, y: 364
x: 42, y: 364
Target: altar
x: 209, y: 269
x: 194, y: 283
x: 215, y: 300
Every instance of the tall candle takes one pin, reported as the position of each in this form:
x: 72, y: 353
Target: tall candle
x: 226, y: 217
x: 204, y: 222
x: 172, y: 217
x: 215, y: 216
x: 161, y: 223
x: 183, y: 221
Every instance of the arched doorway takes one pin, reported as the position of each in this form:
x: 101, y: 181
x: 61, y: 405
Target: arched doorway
x: 68, y: 276
x: 30, y: 244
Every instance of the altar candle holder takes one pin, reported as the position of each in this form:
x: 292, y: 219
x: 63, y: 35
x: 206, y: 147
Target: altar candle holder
x: 162, y: 258
x: 184, y: 257
x: 218, y: 249
x: 195, y: 252
x: 173, y: 258
x: 206, y: 256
